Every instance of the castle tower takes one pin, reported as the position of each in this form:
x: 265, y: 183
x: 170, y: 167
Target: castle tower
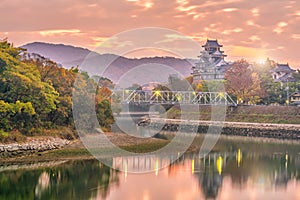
x: 211, y: 64
x: 214, y: 49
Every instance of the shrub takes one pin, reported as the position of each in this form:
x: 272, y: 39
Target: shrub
x: 12, y: 136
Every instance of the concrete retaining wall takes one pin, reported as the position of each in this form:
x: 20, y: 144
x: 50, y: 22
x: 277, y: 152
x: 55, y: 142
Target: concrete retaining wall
x: 278, y: 131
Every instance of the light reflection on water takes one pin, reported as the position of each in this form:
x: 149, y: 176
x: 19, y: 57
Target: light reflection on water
x: 233, y: 174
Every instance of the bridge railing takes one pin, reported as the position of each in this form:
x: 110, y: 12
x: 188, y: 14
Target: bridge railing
x: 173, y: 97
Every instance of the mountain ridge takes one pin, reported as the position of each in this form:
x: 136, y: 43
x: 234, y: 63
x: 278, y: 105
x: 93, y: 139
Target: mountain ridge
x: 109, y: 65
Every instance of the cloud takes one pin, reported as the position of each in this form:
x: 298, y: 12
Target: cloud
x: 255, y: 12
x: 114, y: 42
x: 146, y: 4
x: 230, y: 9
x: 279, y: 27
x: 296, y: 36
x: 234, y: 22
x: 252, y: 23
x: 172, y: 38
x: 228, y: 32
x: 254, y: 38
x: 59, y: 32
x: 248, y: 52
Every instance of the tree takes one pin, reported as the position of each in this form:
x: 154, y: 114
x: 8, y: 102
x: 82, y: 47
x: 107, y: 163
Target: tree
x: 21, y: 82
x: 62, y: 81
x: 177, y: 84
x: 243, y: 83
x: 16, y: 115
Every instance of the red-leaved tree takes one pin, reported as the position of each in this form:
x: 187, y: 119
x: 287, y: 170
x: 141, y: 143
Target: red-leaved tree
x: 243, y: 83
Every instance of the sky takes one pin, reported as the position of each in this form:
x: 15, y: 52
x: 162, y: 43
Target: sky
x: 253, y: 30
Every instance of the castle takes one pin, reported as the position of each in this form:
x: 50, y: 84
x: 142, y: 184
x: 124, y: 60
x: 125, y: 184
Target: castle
x: 211, y: 64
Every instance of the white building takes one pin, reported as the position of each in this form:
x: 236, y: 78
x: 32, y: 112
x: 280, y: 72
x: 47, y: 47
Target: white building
x: 211, y: 64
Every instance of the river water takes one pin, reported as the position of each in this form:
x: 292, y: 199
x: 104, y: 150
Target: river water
x: 238, y: 169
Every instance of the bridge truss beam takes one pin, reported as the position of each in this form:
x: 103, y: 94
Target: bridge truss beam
x: 173, y: 97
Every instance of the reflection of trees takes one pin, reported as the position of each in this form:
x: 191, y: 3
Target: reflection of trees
x: 18, y: 184
x: 266, y: 170
x: 269, y: 170
x: 210, y: 183
x: 73, y: 180
x: 210, y: 180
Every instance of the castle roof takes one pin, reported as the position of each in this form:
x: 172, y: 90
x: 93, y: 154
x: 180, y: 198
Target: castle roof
x: 286, y: 78
x: 220, y: 62
x: 212, y: 43
x: 283, y: 68
x: 218, y: 53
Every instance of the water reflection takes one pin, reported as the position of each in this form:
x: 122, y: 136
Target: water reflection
x: 72, y: 180
x: 222, y: 175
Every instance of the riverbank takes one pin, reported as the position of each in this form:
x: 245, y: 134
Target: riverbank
x: 265, y: 130
x: 54, y: 148
x: 32, y: 145
x: 75, y: 150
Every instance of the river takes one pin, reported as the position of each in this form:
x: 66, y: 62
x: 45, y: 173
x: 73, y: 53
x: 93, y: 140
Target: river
x: 240, y: 169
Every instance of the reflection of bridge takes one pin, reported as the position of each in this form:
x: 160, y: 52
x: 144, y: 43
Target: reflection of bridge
x: 146, y: 163
x: 173, y: 97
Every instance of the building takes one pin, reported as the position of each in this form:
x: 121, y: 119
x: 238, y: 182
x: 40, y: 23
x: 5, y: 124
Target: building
x: 295, y: 98
x: 211, y: 64
x: 282, y: 73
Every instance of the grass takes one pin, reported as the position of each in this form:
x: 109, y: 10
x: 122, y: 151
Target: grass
x: 262, y: 114
x: 142, y: 148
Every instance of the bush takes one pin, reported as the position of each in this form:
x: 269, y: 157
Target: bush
x: 67, y: 133
x: 12, y: 136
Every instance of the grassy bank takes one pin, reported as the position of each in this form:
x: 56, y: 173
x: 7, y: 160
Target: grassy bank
x: 77, y: 151
x: 261, y: 114
x: 63, y: 132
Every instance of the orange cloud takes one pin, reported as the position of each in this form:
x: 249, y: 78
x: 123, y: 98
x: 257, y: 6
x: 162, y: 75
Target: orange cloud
x: 296, y: 36
x: 247, y: 52
x: 228, y: 32
x: 230, y: 9
x: 58, y: 32
x: 279, y: 27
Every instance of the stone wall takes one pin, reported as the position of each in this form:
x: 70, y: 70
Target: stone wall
x: 278, y: 131
x: 32, y: 145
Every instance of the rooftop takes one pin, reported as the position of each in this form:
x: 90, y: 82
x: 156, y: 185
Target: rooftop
x: 285, y: 78
x: 283, y: 68
x: 212, y: 43
x: 218, y: 53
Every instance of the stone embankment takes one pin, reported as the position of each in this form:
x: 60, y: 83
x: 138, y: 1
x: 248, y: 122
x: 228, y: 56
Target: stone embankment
x: 32, y: 145
x: 278, y: 131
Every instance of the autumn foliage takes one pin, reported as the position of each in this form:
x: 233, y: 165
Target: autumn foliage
x: 36, y: 93
x: 243, y: 83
